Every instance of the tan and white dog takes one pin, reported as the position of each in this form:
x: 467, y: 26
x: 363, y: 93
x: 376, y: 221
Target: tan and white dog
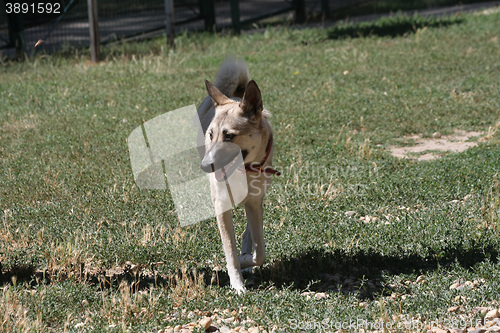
x: 233, y: 113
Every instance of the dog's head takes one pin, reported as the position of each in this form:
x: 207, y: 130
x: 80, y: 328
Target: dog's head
x: 236, y: 126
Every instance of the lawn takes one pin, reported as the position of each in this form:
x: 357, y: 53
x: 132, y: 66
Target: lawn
x: 356, y: 238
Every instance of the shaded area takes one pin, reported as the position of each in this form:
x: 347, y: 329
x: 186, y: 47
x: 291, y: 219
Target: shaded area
x: 362, y: 273
x: 392, y: 26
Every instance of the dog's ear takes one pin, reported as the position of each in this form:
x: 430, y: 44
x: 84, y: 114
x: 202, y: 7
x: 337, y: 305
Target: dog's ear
x: 218, y: 98
x: 251, y: 103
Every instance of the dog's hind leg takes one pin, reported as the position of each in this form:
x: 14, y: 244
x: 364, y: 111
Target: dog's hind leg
x: 254, y: 211
x: 246, y: 241
x: 246, y: 246
x: 226, y: 229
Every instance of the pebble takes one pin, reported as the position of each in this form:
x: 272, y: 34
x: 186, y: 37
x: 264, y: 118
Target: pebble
x: 438, y: 330
x: 224, y: 329
x: 481, y: 309
x: 459, y: 285
x: 478, y: 330
x: 206, y: 322
x: 436, y: 135
x: 492, y: 314
x: 350, y: 213
x: 321, y: 296
x: 457, y: 330
x: 420, y: 279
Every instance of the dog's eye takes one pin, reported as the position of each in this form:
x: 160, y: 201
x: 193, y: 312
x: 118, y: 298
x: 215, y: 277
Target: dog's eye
x: 211, y: 135
x: 229, y: 137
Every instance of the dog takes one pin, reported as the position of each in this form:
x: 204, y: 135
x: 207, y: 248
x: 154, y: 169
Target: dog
x: 233, y: 113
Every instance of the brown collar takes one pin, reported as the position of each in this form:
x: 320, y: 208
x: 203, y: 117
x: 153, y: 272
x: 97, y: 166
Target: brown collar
x: 259, y: 167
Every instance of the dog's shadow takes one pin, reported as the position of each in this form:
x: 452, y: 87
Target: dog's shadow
x: 363, y: 273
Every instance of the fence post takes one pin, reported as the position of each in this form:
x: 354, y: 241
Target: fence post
x: 235, y: 15
x: 170, y: 23
x: 325, y: 8
x: 300, y: 11
x: 94, y: 30
x: 17, y: 38
x: 207, y: 11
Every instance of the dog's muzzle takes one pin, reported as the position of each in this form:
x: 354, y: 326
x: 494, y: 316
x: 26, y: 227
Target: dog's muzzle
x: 223, y: 159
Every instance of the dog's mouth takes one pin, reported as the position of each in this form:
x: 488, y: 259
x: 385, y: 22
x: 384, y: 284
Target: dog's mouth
x: 223, y: 160
x: 224, y: 173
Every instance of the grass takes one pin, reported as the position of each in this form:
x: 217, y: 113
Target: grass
x: 386, y: 6
x: 82, y: 249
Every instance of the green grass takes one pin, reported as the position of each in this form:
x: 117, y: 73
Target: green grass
x: 83, y: 249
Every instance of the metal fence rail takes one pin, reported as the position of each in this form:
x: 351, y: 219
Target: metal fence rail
x: 129, y: 18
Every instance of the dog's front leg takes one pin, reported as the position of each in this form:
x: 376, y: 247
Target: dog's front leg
x: 255, y: 230
x: 226, y: 229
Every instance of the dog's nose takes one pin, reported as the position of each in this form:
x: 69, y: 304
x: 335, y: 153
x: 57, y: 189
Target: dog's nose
x: 207, y: 166
x: 208, y: 162
x: 218, y: 156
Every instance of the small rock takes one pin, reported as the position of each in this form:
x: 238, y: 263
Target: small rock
x: 453, y: 309
x: 478, y: 330
x: 206, y: 322
x: 229, y: 320
x: 420, y: 279
x: 224, y: 329
x: 436, y: 135
x: 350, y: 213
x: 439, y: 330
x: 169, y: 330
x: 459, y: 285
x: 457, y: 330
x: 470, y: 284
x: 467, y: 197
x: 254, y: 329
x: 492, y: 314
x: 481, y: 309
x: 79, y: 325
x: 321, y: 296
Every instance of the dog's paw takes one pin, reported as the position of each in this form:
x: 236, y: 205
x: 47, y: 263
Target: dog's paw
x: 240, y: 291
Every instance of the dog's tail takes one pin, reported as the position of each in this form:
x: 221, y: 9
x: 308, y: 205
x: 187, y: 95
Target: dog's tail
x: 232, y: 77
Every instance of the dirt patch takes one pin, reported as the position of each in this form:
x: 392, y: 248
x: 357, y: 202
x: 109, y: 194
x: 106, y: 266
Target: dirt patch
x: 425, y: 149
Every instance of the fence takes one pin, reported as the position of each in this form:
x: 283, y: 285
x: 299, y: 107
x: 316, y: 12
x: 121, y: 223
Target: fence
x: 146, y: 18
